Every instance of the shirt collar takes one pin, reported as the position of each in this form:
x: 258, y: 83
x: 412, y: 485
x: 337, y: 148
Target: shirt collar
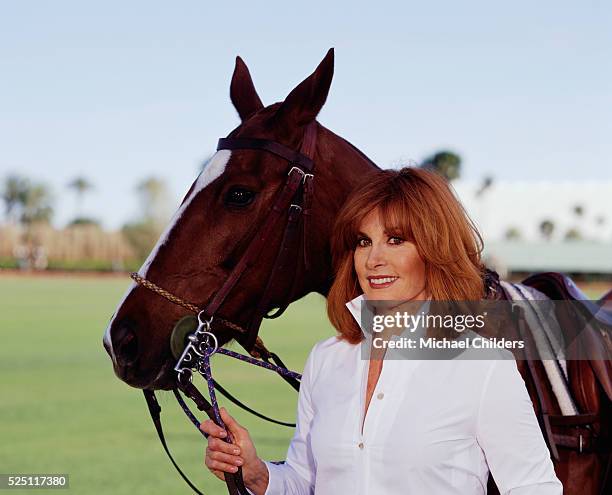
x: 354, y: 306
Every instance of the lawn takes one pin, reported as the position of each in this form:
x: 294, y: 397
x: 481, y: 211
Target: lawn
x: 62, y: 410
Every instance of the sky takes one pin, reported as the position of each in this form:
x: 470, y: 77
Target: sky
x: 121, y: 91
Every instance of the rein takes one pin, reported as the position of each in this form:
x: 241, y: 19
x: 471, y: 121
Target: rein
x: 295, y: 198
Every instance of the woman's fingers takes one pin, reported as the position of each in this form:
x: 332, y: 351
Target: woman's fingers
x: 233, y: 460
x: 218, y: 461
x: 222, y: 446
x: 211, y: 428
x: 227, y: 419
x: 221, y: 466
x: 232, y: 425
x: 222, y: 456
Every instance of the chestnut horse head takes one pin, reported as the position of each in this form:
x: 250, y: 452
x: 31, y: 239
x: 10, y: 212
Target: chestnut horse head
x: 219, y: 218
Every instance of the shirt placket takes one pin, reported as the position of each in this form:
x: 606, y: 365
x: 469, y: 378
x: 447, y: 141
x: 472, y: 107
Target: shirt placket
x: 372, y: 421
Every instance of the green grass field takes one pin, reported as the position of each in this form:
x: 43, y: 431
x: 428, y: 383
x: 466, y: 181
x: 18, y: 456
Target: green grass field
x: 62, y: 410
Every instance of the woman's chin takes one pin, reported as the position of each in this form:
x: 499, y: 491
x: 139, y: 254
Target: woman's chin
x: 386, y: 294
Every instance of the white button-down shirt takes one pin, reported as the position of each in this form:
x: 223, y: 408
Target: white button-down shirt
x: 432, y: 427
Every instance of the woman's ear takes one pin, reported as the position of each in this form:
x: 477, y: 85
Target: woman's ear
x: 242, y: 91
x: 303, y: 104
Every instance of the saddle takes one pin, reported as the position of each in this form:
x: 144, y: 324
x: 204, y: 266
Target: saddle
x: 557, y: 286
x: 580, y: 443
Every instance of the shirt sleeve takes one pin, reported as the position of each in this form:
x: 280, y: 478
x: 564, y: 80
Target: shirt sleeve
x: 296, y: 475
x: 509, y: 434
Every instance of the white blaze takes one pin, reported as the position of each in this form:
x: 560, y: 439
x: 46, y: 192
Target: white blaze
x: 214, y: 168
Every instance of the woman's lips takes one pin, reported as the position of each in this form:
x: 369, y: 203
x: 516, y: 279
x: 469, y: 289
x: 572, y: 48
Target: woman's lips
x: 382, y: 285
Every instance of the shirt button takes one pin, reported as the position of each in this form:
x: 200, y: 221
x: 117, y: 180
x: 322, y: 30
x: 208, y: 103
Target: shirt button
x: 360, y: 445
x: 380, y: 396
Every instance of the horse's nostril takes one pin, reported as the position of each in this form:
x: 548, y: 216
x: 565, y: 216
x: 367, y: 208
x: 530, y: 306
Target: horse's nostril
x: 126, y: 346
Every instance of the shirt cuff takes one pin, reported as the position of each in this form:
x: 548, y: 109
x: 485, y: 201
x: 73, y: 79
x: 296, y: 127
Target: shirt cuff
x: 275, y: 478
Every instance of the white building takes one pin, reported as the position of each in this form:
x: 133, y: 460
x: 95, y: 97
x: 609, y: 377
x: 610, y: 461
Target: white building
x: 521, y: 207
x: 524, y: 205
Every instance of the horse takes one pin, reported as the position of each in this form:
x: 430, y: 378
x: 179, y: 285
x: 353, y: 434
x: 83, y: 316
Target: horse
x: 225, y: 250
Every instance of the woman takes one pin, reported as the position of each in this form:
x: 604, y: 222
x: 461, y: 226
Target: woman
x: 378, y: 426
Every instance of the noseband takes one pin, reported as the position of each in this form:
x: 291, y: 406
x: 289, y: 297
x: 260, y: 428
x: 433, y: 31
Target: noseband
x: 295, y: 198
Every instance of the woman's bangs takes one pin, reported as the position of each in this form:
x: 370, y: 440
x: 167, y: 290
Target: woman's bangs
x: 396, y: 218
x: 352, y: 231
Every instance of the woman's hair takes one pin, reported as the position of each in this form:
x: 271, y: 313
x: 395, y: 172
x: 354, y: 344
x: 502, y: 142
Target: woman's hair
x: 420, y: 207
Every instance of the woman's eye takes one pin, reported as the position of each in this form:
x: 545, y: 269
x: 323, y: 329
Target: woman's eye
x: 239, y: 196
x: 362, y: 242
x: 396, y: 240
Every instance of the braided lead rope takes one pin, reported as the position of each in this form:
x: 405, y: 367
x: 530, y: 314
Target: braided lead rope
x: 188, y: 412
x: 247, y: 359
x: 207, y: 374
x: 204, y: 369
x: 195, y: 309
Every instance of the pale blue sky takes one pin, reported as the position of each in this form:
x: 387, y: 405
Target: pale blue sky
x: 118, y: 91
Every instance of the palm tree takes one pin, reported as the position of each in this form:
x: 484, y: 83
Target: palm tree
x: 80, y: 185
x: 547, y: 228
x: 37, y: 205
x: 513, y: 234
x: 154, y: 198
x: 26, y: 202
x: 446, y: 163
x: 13, y: 194
x: 573, y: 234
x: 578, y: 210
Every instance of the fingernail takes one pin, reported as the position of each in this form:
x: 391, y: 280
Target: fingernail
x: 223, y: 433
x: 236, y: 451
x: 234, y: 468
x: 239, y: 462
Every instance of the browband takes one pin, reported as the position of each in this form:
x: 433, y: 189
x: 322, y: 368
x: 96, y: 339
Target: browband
x: 295, y: 157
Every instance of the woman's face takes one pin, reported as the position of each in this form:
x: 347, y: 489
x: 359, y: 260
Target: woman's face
x: 388, y: 267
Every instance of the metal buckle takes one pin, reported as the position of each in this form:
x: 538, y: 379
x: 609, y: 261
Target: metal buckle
x: 294, y: 206
x: 305, y: 176
x: 298, y: 169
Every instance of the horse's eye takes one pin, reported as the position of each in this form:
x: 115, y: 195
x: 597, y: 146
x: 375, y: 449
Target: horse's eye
x: 239, y: 196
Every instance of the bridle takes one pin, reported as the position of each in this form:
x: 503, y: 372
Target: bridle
x: 295, y: 198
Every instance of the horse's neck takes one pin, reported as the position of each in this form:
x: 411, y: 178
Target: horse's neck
x: 339, y: 168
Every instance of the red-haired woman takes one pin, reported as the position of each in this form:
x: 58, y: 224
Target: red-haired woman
x: 410, y: 426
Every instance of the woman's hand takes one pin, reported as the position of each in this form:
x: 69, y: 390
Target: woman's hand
x: 223, y: 457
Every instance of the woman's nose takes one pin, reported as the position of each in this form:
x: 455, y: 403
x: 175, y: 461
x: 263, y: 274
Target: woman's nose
x: 376, y: 257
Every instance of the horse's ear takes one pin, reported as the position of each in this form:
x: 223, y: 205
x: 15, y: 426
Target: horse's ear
x: 306, y: 100
x: 242, y: 91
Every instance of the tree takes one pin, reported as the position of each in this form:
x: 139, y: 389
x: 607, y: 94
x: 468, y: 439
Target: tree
x: 37, y: 205
x: 144, y: 232
x: 446, y: 163
x: 141, y: 236
x: 487, y: 183
x: 84, y: 221
x: 13, y: 194
x: 513, y: 234
x: 547, y: 227
x: 154, y: 199
x: 27, y: 202
x: 80, y: 185
x: 578, y: 210
x: 573, y: 234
